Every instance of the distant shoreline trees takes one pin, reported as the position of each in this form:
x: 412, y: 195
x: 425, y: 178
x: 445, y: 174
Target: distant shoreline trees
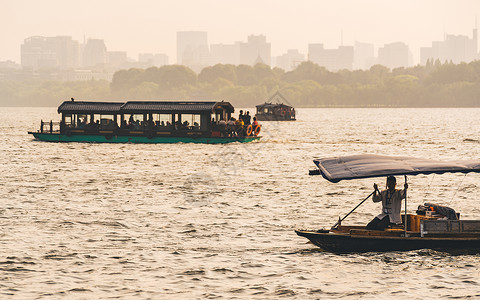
x: 309, y: 85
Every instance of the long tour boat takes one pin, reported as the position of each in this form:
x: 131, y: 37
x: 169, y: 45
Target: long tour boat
x: 437, y: 227
x: 146, y: 122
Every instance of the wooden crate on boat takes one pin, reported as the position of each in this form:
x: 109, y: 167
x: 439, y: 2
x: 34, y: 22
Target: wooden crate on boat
x: 414, y: 221
x: 449, y: 227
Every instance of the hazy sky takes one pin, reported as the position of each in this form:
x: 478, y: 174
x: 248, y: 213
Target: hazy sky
x: 146, y: 26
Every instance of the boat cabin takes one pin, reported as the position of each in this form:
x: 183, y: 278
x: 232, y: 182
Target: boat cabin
x: 270, y: 111
x: 138, y: 120
x: 275, y: 112
x: 143, y: 115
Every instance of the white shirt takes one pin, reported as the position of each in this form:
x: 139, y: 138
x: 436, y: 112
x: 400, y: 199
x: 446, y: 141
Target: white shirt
x: 391, y: 204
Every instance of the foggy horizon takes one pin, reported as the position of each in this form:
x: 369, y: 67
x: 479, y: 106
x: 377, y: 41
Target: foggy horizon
x: 151, y: 27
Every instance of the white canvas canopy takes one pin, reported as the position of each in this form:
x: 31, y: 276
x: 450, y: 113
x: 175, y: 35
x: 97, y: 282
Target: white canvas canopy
x: 335, y: 169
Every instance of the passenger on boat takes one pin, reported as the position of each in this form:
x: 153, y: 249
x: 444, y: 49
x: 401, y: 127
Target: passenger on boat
x: 255, y: 123
x: 239, y: 126
x: 150, y: 123
x: 231, y: 126
x: 240, y: 115
x: 90, y: 125
x: 391, y: 199
x: 136, y: 125
x: 83, y: 123
x: 239, y: 122
x: 247, y: 119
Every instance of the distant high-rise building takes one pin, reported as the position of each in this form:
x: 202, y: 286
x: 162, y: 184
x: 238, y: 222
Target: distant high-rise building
x: 455, y: 48
x: 256, y: 50
x: 225, y: 54
x: 94, y: 53
x: 332, y: 59
x: 290, y: 60
x: 363, y: 56
x: 59, y: 52
x: 153, y: 59
x: 117, y: 58
x: 68, y: 52
x: 395, y: 55
x: 192, y: 49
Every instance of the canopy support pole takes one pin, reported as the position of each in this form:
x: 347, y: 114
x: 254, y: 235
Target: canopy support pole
x: 339, y: 222
x: 405, y: 191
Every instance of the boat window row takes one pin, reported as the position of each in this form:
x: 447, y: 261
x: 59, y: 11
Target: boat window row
x: 94, y: 123
x: 195, y: 122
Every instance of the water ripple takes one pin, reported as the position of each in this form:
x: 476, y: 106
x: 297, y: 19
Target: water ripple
x: 187, y: 221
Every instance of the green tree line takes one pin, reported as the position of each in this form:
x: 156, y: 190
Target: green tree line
x: 308, y: 85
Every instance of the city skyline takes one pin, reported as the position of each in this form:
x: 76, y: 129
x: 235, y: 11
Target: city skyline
x: 194, y: 51
x: 151, y: 27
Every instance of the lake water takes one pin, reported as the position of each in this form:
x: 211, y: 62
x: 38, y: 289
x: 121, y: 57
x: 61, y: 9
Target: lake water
x: 186, y: 221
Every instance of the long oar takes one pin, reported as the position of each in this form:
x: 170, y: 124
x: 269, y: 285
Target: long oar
x: 340, y: 220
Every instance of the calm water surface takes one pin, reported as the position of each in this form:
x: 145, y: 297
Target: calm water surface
x: 190, y: 221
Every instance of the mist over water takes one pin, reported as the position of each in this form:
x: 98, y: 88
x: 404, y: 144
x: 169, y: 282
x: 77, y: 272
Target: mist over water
x: 189, y: 221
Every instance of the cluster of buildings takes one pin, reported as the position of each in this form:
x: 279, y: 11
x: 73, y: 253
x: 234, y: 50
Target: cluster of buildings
x: 454, y: 48
x: 90, y: 59
x: 63, y: 58
x: 62, y: 52
x: 194, y: 51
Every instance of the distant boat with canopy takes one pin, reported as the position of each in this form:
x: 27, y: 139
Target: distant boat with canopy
x: 438, y: 227
x: 278, y: 111
x: 146, y: 122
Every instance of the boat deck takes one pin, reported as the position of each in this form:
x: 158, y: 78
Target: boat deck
x: 432, y: 234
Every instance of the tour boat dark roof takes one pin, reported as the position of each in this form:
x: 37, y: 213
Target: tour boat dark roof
x: 335, y: 169
x: 89, y: 107
x: 266, y: 104
x: 177, y: 106
x: 143, y: 107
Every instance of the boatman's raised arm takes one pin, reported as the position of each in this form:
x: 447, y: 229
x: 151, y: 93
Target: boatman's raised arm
x: 377, y: 194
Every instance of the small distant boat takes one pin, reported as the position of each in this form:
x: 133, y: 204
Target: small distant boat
x: 146, y: 122
x: 275, y: 111
x: 418, y: 231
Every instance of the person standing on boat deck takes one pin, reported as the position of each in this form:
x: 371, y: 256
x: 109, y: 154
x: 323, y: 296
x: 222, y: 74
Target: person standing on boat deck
x: 255, y: 123
x: 391, y: 199
x: 247, y: 118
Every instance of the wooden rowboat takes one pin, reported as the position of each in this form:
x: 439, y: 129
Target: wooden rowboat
x: 417, y: 231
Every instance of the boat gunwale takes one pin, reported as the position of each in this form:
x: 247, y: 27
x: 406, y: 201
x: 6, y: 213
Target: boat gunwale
x: 387, y: 237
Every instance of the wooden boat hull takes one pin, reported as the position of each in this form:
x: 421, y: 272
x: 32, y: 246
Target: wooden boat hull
x: 56, y: 137
x: 347, y: 243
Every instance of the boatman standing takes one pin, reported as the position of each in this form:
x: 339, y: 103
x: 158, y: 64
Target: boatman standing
x: 391, y: 205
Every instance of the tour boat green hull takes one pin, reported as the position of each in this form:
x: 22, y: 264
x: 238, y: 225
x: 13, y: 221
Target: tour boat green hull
x: 55, y: 137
